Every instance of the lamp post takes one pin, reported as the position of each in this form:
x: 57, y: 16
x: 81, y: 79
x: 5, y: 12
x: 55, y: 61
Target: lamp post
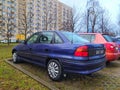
x: 90, y: 12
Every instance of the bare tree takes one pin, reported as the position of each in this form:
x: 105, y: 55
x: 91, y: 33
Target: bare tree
x: 105, y: 25
x: 49, y: 15
x: 73, y: 21
x: 118, y: 22
x: 94, y: 12
x: 25, y: 19
x: 7, y: 33
x: 0, y: 27
x: 95, y: 18
x: 48, y: 19
x: 90, y: 16
x: 8, y: 30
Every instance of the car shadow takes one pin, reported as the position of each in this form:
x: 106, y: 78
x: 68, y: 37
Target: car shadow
x: 34, y: 68
x: 84, y: 77
x: 114, y: 64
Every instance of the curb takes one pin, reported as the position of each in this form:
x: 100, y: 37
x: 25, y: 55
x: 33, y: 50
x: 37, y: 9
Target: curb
x: 38, y: 79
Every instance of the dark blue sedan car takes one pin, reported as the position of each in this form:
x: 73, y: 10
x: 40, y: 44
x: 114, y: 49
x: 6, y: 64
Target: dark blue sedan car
x: 61, y: 52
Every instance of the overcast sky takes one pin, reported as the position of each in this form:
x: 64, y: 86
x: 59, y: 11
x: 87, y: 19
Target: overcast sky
x: 111, y: 5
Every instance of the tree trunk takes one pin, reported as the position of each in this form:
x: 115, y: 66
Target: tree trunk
x: 87, y: 20
x: 8, y: 42
x: 93, y: 26
x: 102, y: 24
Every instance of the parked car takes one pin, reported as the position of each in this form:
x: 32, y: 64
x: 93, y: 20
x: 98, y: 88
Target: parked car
x: 112, y: 52
x: 61, y: 52
x: 117, y: 40
x: 3, y: 41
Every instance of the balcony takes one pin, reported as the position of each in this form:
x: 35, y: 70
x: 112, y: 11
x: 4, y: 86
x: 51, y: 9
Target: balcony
x: 0, y: 15
x: 0, y: 9
x: 0, y: 21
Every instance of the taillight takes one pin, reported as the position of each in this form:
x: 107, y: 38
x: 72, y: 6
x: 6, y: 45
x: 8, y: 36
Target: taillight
x: 81, y: 51
x: 111, y: 48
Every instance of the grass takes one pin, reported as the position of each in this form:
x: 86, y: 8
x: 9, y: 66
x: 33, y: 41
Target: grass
x: 12, y: 79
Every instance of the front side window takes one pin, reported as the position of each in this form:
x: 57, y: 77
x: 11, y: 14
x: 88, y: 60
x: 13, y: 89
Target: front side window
x: 74, y: 38
x: 33, y: 39
x: 46, y: 37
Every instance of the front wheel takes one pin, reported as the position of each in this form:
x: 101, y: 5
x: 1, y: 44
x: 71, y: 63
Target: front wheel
x: 54, y: 70
x: 15, y: 57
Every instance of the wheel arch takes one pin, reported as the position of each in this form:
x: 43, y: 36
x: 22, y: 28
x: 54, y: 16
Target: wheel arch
x: 49, y: 58
x: 14, y: 50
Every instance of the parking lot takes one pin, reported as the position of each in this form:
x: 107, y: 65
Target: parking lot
x: 106, y: 79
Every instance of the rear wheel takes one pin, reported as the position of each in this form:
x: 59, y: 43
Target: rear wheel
x: 54, y: 70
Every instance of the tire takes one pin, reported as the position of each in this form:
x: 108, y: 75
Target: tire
x: 15, y: 57
x: 54, y: 70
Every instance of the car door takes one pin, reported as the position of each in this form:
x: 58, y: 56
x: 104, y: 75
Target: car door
x: 26, y: 47
x: 42, y: 49
x: 59, y: 47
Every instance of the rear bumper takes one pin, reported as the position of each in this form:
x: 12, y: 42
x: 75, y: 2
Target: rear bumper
x: 112, y: 56
x: 83, y: 67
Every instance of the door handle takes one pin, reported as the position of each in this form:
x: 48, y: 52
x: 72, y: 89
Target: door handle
x: 30, y: 49
x: 46, y: 50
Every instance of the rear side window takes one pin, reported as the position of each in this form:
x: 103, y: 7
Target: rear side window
x: 89, y: 37
x: 108, y: 38
x: 74, y: 38
x: 46, y: 37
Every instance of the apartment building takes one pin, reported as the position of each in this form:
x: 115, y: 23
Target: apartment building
x: 64, y: 15
x: 21, y: 8
x: 33, y: 13
x: 46, y: 14
x: 29, y: 16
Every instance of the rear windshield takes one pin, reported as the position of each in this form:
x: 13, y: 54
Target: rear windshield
x: 74, y: 38
x: 108, y: 38
x: 89, y: 37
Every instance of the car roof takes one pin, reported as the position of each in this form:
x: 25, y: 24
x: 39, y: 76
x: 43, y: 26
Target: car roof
x: 58, y: 31
x: 93, y: 33
x: 89, y: 33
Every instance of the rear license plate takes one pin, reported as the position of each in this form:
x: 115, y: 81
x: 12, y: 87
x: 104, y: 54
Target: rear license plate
x: 99, y: 51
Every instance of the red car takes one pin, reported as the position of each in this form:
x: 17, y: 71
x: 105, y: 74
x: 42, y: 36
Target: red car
x: 112, y: 52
